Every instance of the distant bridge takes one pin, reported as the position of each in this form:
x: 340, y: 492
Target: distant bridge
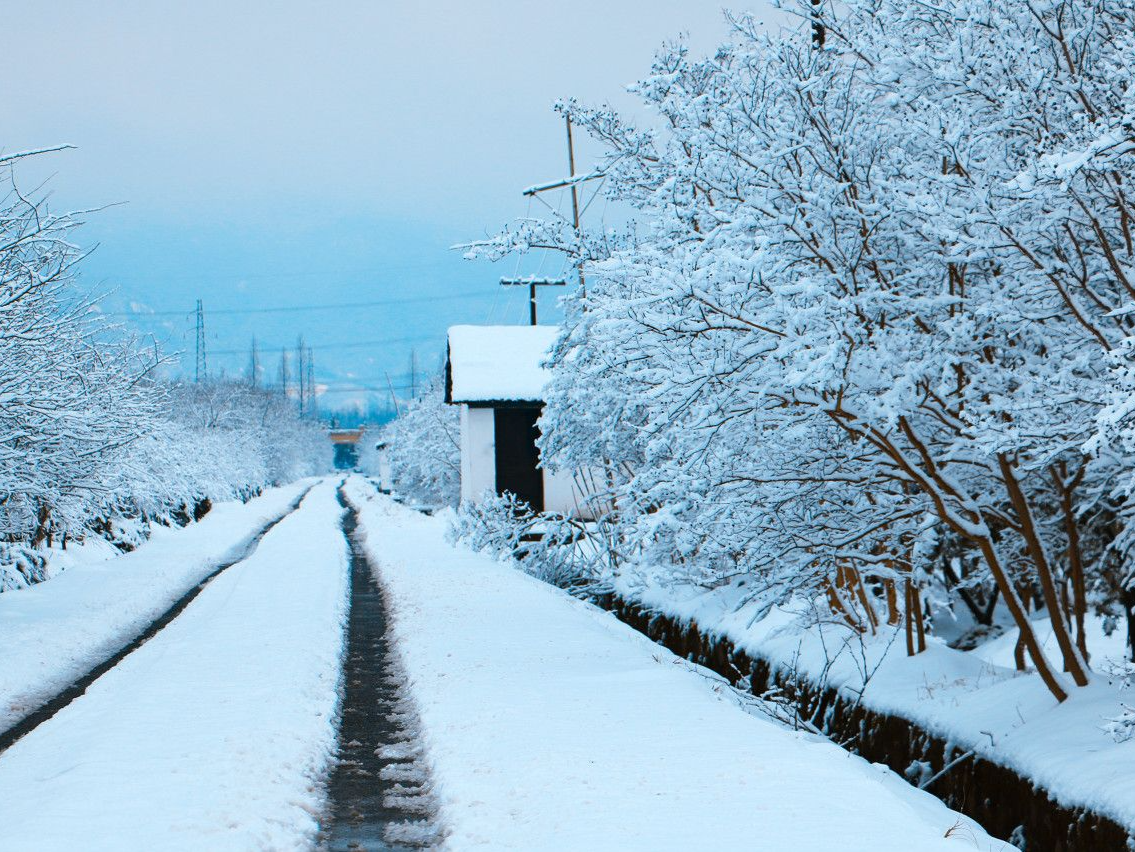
x: 346, y: 436
x: 346, y: 443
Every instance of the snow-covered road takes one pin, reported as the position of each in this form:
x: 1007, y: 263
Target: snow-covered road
x: 549, y: 725
x: 546, y: 724
x: 215, y: 734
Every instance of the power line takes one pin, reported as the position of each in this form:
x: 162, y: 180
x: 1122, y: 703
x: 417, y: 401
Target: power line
x: 377, y: 303
x: 362, y: 389
x: 357, y: 344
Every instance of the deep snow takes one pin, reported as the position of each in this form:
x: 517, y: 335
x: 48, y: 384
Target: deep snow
x: 551, y: 725
x: 53, y: 632
x: 216, y: 733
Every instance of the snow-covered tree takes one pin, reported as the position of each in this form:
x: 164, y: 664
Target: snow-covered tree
x: 423, y: 450
x: 878, y: 299
x: 90, y: 434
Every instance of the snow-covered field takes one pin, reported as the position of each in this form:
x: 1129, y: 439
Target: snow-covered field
x: 216, y: 733
x: 54, y: 632
x: 976, y: 699
x: 550, y: 725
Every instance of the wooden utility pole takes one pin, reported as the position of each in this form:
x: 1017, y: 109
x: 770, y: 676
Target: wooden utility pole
x: 572, y: 182
x: 532, y: 284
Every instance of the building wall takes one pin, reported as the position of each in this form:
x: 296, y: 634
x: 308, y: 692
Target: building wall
x: 560, y: 492
x: 478, y: 448
x: 478, y: 465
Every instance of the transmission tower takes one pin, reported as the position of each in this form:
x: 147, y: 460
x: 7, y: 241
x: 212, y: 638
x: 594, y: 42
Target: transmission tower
x: 202, y: 371
x: 310, y: 364
x: 254, y: 364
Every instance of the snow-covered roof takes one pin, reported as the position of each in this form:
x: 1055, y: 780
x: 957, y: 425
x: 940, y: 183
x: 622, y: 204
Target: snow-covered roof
x: 498, y: 363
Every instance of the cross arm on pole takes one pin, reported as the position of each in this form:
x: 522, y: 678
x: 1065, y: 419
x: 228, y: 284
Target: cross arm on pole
x: 532, y: 283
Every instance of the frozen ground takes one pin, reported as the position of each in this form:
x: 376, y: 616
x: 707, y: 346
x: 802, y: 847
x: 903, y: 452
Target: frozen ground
x: 216, y: 733
x: 53, y: 632
x: 550, y: 725
x: 975, y: 699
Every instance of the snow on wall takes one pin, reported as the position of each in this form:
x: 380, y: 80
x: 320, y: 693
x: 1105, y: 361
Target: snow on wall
x: 499, y: 362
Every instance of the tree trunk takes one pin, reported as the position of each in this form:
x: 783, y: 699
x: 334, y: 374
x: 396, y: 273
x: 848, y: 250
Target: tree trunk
x: 1075, y: 558
x: 894, y: 615
x: 916, y: 599
x: 43, y: 519
x: 1073, y: 663
x: 1127, y: 598
x: 861, y: 592
x: 909, y: 622
x: 839, y: 608
x: 1028, y: 638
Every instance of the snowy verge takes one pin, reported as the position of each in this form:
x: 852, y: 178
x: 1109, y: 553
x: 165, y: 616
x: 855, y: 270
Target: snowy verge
x: 551, y: 725
x: 217, y: 732
x: 975, y: 700
x: 52, y: 633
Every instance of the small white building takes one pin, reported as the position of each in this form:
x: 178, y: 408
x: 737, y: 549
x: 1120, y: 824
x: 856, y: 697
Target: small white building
x: 495, y: 374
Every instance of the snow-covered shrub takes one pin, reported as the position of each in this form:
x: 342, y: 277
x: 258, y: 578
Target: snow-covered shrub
x: 1120, y: 727
x: 423, y: 451
x: 566, y: 552
x: 20, y: 566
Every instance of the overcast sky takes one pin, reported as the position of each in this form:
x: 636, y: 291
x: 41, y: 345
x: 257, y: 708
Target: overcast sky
x: 293, y: 154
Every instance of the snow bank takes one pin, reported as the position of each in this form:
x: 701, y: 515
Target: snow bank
x: 51, y: 633
x: 215, y: 733
x: 551, y: 725
x: 976, y: 700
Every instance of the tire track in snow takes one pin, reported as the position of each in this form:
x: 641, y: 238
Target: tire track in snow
x: 80, y: 685
x: 379, y: 793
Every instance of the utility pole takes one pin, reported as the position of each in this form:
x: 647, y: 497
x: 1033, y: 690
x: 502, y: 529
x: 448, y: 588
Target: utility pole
x: 284, y: 377
x: 393, y: 396
x: 413, y: 373
x: 201, y: 371
x: 253, y: 364
x: 300, y: 372
x: 574, y: 196
x: 532, y: 284
x: 572, y: 182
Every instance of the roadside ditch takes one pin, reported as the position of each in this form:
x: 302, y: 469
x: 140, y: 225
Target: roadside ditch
x: 1007, y: 805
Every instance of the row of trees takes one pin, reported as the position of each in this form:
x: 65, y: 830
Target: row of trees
x: 419, y: 452
x: 91, y: 432
x: 875, y: 321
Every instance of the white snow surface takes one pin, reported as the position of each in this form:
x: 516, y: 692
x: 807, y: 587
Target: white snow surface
x: 54, y: 632
x: 550, y: 725
x: 215, y: 734
x: 499, y: 362
x: 974, y: 700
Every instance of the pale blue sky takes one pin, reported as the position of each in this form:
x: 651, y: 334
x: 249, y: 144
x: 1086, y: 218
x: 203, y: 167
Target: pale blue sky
x: 278, y: 154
